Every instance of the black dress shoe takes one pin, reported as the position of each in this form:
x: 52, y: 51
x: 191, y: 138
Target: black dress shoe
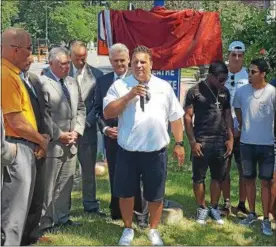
x: 96, y: 212
x: 142, y: 221
x: 143, y: 224
x: 3, y: 237
x: 116, y: 217
x: 69, y: 223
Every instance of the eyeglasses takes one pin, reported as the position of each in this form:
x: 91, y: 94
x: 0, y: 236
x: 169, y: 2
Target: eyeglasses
x: 232, y: 80
x: 30, y: 48
x: 252, y: 72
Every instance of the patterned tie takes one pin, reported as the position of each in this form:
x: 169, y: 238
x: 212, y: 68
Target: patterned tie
x: 65, y: 91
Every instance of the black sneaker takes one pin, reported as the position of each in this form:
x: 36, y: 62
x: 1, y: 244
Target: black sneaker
x: 242, y: 209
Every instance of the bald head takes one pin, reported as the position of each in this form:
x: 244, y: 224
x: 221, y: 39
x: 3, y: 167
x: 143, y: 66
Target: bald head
x: 78, y: 54
x: 16, y: 47
x: 14, y: 36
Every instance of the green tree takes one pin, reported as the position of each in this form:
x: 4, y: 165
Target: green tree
x: 9, y: 13
x: 74, y: 20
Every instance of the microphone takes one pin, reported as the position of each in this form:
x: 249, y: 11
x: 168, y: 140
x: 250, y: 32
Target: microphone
x: 145, y: 99
x: 142, y: 103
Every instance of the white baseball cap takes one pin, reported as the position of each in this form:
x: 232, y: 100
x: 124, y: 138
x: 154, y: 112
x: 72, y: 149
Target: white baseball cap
x: 237, y: 46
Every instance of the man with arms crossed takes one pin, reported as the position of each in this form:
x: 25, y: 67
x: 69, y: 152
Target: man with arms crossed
x: 21, y: 128
x: 237, y: 77
x: 255, y: 109
x: 211, y: 138
x: 119, y: 59
x: 144, y: 104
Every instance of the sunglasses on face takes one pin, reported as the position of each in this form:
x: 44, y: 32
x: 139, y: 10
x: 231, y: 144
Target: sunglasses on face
x: 252, y: 71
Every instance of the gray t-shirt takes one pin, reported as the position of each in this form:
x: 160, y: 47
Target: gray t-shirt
x: 258, y: 110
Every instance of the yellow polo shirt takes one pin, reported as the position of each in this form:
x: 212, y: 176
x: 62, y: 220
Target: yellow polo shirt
x: 15, y: 97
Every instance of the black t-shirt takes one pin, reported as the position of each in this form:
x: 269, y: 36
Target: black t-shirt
x: 209, y: 122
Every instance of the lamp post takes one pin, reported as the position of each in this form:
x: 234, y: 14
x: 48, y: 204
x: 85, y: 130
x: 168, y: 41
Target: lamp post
x: 46, y: 21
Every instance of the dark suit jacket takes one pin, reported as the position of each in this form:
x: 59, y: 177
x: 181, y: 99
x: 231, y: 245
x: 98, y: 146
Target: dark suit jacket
x: 88, y: 85
x: 102, y: 85
x: 42, y: 117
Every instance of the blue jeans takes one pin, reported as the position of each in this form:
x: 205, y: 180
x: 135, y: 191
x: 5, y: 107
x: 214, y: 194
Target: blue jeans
x: 263, y: 155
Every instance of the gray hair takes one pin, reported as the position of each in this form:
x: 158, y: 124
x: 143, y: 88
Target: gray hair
x: 77, y: 43
x: 118, y: 47
x: 55, y: 52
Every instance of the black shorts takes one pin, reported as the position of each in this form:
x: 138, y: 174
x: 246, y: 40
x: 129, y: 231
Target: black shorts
x: 263, y: 155
x: 213, y: 157
x: 150, y: 167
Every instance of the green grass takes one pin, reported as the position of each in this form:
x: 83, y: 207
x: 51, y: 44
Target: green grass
x: 98, y: 231
x: 188, y: 72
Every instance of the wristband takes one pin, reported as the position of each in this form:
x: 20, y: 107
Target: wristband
x: 179, y: 144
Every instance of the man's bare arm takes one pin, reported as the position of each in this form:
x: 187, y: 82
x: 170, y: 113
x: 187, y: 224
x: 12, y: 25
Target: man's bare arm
x: 116, y: 107
x: 229, y: 123
x: 177, y: 130
x: 238, y: 113
x: 178, y: 151
x: 24, y: 129
x: 188, y: 122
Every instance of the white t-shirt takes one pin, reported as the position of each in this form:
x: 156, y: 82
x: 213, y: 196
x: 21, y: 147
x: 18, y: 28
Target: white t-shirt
x: 240, y: 79
x: 145, y: 131
x: 258, y: 109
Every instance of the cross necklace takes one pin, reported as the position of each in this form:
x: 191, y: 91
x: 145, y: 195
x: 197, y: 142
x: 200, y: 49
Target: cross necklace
x: 216, y: 97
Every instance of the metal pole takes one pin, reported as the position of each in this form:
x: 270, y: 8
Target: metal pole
x: 46, y: 33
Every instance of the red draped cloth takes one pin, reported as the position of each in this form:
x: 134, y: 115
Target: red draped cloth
x: 177, y: 39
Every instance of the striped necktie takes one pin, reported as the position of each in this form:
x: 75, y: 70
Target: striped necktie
x: 65, y: 91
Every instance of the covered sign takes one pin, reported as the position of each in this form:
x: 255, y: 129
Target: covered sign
x: 177, y: 39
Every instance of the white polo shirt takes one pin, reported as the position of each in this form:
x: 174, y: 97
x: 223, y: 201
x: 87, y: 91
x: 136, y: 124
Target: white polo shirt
x: 145, y: 131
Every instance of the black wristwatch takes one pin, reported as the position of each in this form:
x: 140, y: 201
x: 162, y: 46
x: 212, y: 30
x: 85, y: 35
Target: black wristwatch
x: 179, y: 144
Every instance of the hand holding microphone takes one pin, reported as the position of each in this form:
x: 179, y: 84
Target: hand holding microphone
x: 142, y: 91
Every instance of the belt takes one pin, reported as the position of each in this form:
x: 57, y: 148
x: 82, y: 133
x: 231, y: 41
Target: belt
x: 18, y: 139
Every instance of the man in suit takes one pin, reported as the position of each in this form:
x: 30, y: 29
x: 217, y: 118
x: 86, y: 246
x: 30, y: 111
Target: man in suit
x: 119, y: 59
x: 86, y: 76
x: 33, y: 86
x: 67, y: 111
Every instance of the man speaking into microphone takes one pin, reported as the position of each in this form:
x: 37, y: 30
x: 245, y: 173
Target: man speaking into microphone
x: 144, y: 104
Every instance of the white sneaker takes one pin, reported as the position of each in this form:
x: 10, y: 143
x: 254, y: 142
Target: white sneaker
x: 127, y: 237
x: 154, y: 237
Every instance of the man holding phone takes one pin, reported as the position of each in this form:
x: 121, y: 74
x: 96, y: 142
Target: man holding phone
x: 211, y: 137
